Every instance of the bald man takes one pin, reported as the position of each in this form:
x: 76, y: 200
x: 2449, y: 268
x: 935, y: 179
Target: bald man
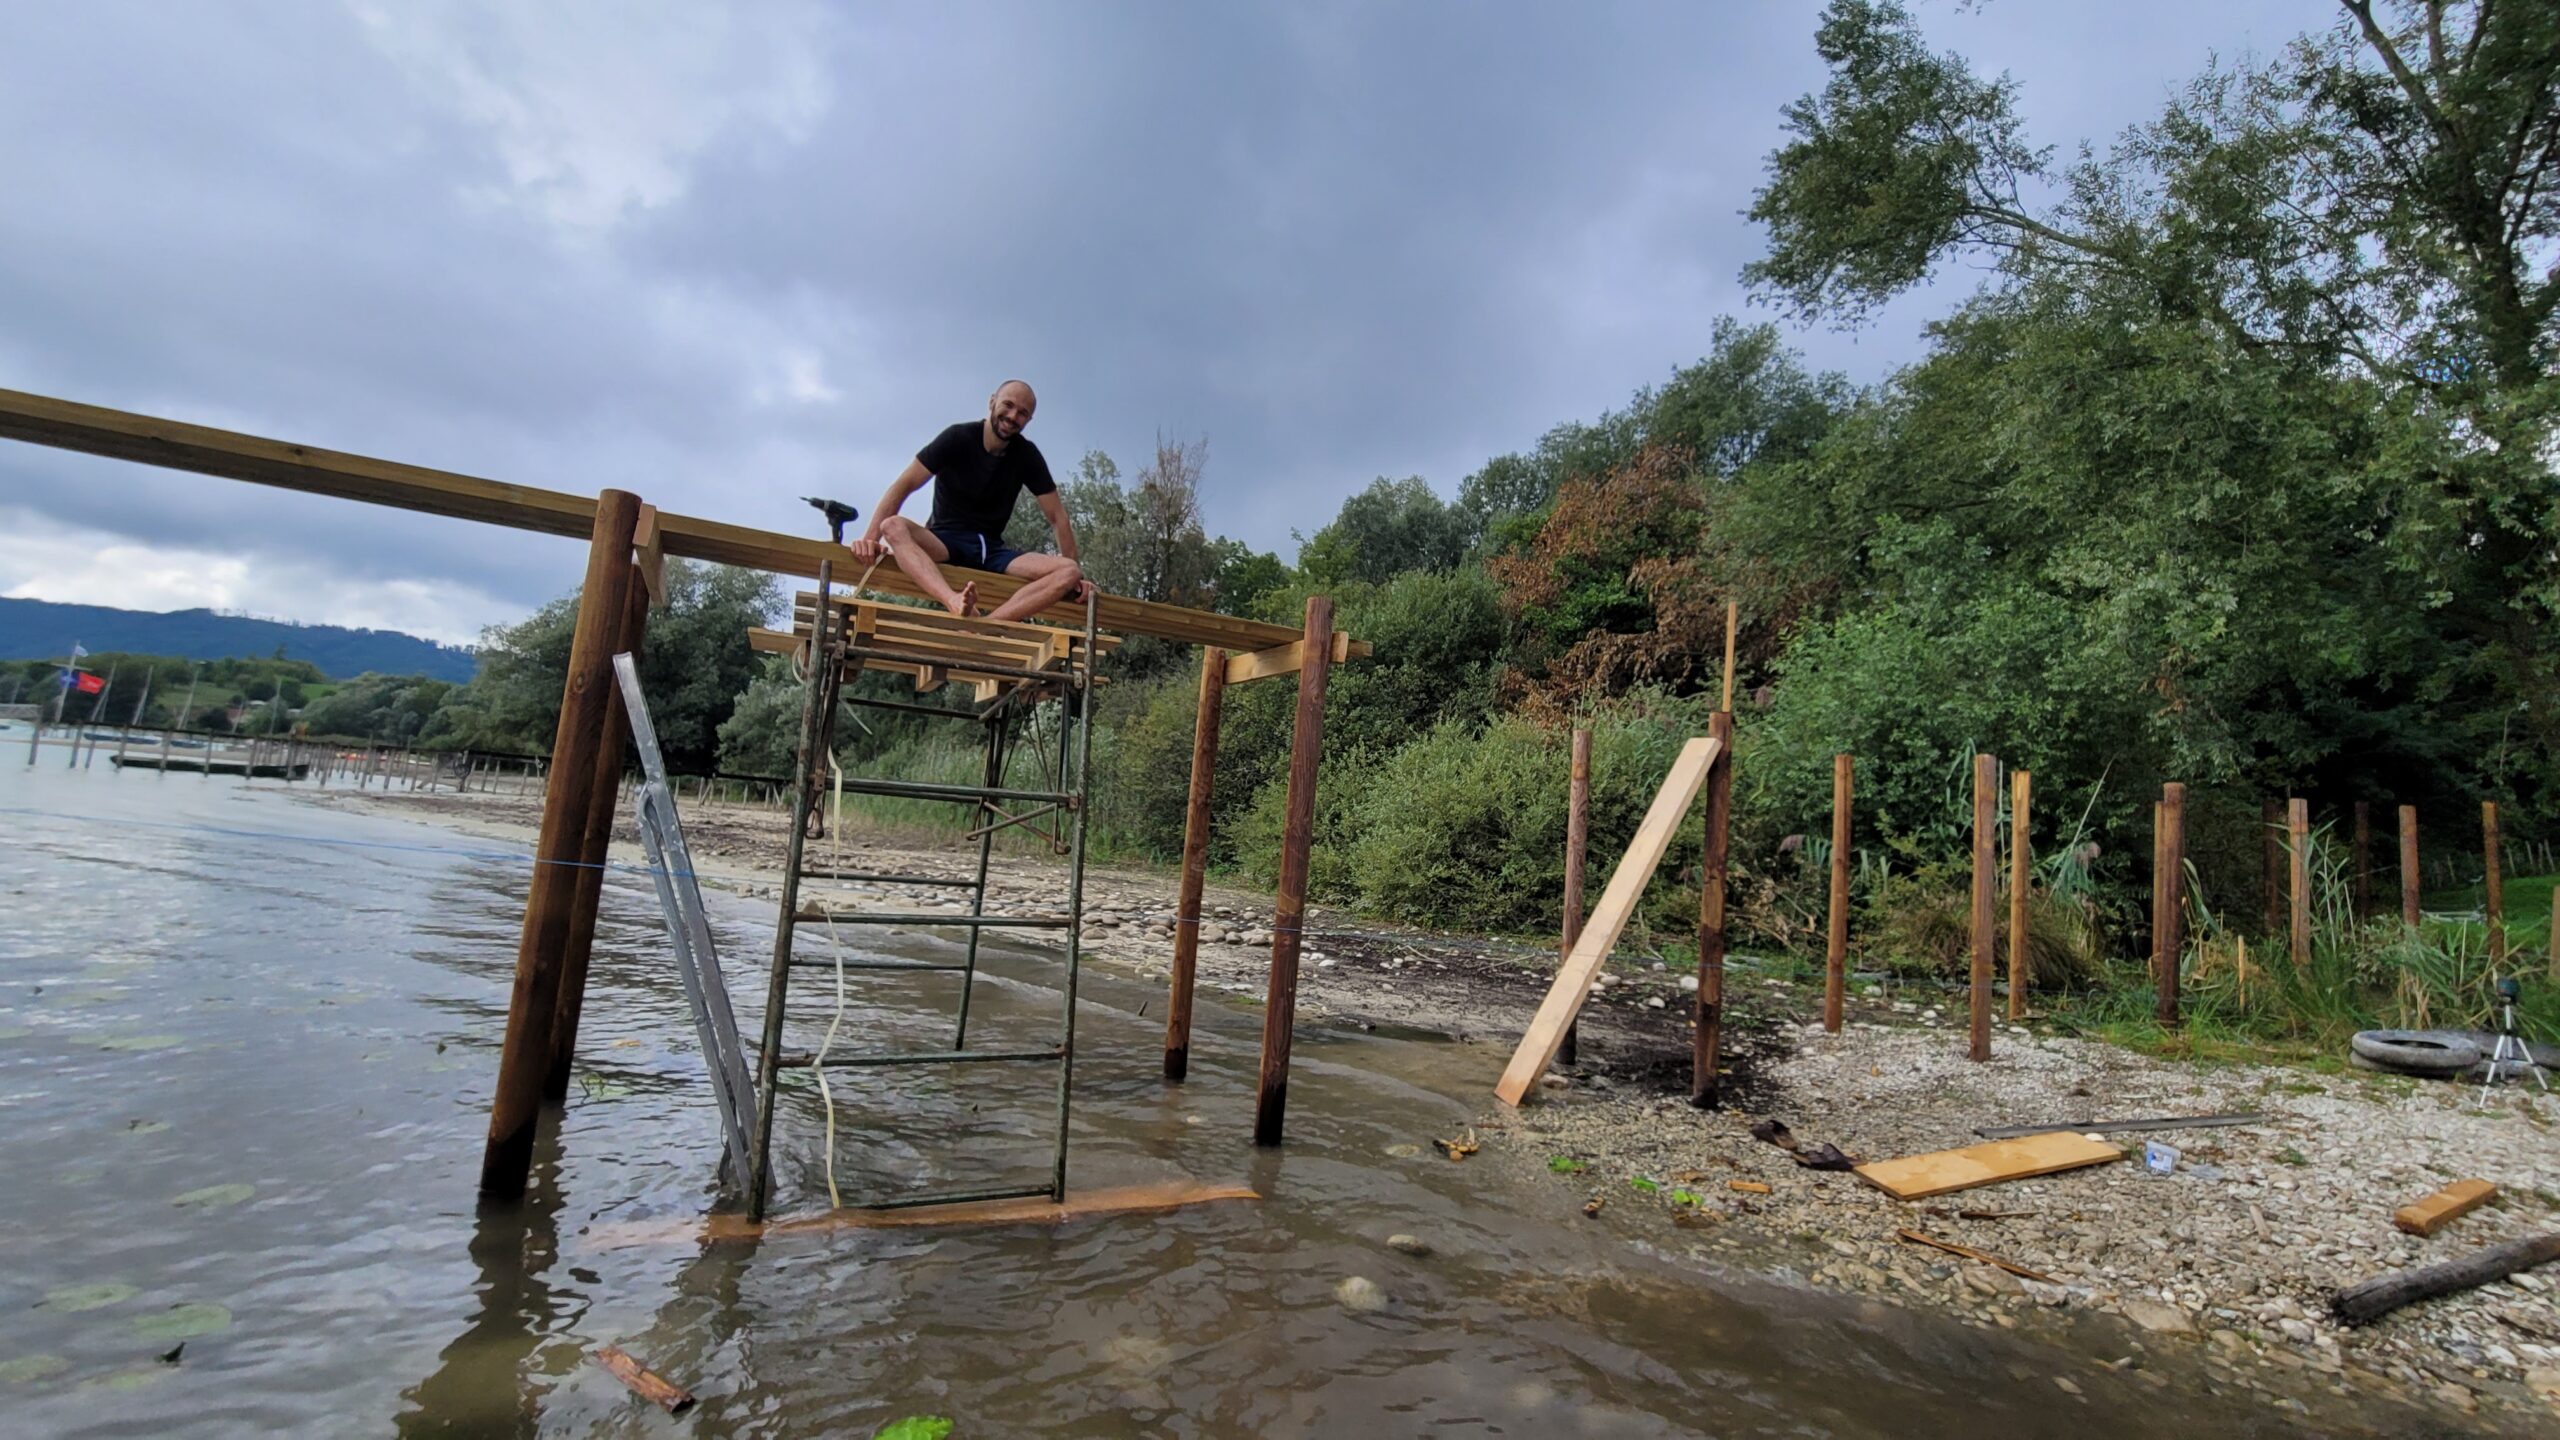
x: 979, y: 468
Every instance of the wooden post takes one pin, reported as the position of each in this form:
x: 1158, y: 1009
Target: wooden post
x: 2159, y: 888
x: 2297, y: 825
x: 1732, y: 618
x: 2173, y: 904
x: 1297, y: 832
x: 2020, y: 871
x: 2271, y: 853
x: 2364, y: 860
x: 2554, y: 937
x: 2409, y: 884
x: 1706, y: 1042
x: 595, y: 842
x: 1835, y: 964
x: 1195, y: 862
x: 2489, y: 879
x: 1577, y: 839
x: 525, y: 1057
x: 1986, y: 897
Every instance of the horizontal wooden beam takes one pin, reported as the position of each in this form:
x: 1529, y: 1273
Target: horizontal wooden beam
x: 177, y: 445
x: 1283, y: 659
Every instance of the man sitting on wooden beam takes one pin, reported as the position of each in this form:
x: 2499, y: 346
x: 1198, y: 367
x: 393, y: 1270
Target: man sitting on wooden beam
x: 979, y: 469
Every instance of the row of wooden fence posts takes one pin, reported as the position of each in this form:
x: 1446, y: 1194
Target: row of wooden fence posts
x: 2168, y: 890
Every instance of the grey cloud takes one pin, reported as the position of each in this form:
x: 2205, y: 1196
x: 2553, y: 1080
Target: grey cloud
x: 1341, y: 241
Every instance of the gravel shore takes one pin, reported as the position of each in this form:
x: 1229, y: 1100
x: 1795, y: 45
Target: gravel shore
x: 2223, y: 1266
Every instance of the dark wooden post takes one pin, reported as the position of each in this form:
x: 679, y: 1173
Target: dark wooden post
x: 2490, y: 881
x: 2271, y: 852
x: 2173, y: 901
x: 1306, y: 748
x: 595, y: 842
x: 1986, y: 898
x: 2020, y: 871
x: 525, y: 1058
x: 2159, y: 887
x: 2554, y: 937
x: 2297, y: 825
x: 1195, y: 862
x: 1835, y: 962
x: 1577, y: 840
x: 2409, y: 883
x: 1706, y: 1041
x: 2364, y: 860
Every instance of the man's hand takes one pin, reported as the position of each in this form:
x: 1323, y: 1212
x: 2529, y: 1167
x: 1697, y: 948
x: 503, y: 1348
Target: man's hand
x: 869, y: 547
x: 1085, y: 590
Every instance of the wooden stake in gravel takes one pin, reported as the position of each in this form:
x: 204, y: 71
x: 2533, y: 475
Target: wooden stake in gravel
x: 2409, y: 872
x: 2491, y: 880
x: 1835, y: 967
x: 1706, y: 1044
x: 1577, y: 839
x: 1986, y: 908
x: 2297, y: 825
x: 2173, y: 897
x: 2019, y: 871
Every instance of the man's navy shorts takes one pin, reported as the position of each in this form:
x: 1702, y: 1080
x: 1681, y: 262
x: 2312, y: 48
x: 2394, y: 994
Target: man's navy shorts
x: 977, y: 551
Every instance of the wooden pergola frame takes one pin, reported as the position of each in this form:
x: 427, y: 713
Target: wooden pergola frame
x: 627, y: 542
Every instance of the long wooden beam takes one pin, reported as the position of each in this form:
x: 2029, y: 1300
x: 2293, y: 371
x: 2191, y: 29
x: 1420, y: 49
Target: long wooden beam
x: 177, y: 445
x: 1286, y: 659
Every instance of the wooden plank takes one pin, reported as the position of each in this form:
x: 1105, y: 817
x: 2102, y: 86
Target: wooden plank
x: 1029, y: 632
x: 2426, y: 1217
x: 727, y: 1225
x: 1608, y: 918
x: 1917, y: 1177
x: 651, y: 554
x: 1281, y: 659
x: 692, y: 537
x: 666, y: 1396
x: 203, y: 449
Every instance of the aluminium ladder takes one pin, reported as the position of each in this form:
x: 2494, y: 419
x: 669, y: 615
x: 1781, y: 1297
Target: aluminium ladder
x: 1013, y: 667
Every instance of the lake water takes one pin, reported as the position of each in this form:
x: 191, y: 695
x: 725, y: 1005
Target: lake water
x: 246, y: 1049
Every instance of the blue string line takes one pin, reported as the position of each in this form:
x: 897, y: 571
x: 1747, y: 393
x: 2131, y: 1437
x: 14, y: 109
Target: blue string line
x: 235, y: 833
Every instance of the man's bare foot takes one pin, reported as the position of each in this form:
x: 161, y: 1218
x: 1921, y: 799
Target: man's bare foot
x: 964, y: 604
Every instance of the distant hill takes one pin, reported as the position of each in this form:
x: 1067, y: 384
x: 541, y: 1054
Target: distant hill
x: 41, y: 629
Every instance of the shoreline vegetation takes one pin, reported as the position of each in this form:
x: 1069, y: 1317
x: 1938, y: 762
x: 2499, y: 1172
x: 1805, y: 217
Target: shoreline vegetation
x: 2218, y: 1273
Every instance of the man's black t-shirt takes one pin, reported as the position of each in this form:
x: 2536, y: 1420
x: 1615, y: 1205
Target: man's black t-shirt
x: 975, y: 491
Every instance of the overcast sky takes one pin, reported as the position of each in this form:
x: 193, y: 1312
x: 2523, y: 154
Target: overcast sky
x: 727, y: 257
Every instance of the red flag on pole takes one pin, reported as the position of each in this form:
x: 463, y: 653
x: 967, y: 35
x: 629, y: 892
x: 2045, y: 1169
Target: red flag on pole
x: 89, y: 684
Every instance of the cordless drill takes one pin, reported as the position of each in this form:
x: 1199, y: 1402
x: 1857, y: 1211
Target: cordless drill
x: 838, y: 514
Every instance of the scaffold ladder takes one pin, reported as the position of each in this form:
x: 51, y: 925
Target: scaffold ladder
x: 844, y: 639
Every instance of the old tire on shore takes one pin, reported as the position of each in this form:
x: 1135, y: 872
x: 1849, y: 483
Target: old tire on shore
x: 2418, y: 1052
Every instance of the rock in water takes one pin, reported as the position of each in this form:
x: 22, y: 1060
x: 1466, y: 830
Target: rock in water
x: 1409, y: 1244
x: 1359, y: 1292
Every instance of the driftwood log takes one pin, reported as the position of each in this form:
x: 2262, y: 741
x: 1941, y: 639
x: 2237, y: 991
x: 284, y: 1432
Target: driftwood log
x: 2364, y: 1303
